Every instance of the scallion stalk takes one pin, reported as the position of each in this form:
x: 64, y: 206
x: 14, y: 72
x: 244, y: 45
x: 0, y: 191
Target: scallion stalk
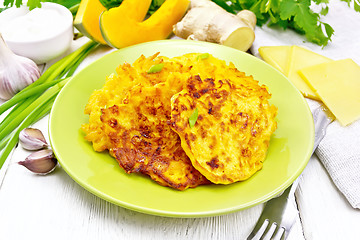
x: 14, y: 136
x: 32, y: 107
x: 18, y: 108
x: 4, y: 141
x: 57, y: 68
x: 81, y: 58
x: 27, y: 93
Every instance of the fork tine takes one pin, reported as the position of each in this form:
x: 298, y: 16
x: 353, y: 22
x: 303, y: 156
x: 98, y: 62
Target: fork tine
x: 258, y: 231
x: 280, y: 234
x: 270, y: 231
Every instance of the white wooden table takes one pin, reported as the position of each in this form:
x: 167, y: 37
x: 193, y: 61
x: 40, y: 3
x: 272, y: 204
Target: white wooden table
x: 56, y: 207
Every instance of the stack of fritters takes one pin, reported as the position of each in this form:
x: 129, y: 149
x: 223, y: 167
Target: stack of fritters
x: 142, y: 118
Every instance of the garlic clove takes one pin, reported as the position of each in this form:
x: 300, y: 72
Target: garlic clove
x: 32, y: 139
x: 41, y: 162
x: 16, y: 72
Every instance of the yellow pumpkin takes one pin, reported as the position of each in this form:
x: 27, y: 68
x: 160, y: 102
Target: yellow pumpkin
x: 87, y: 19
x: 125, y: 25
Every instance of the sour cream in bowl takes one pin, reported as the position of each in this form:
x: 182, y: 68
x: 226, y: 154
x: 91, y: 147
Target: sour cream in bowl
x: 41, y: 34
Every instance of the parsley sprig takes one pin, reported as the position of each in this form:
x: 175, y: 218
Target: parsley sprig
x: 31, y: 3
x: 290, y: 14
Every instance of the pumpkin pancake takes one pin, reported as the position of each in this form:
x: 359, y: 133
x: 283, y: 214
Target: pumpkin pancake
x: 142, y: 141
x: 115, y: 89
x: 230, y: 138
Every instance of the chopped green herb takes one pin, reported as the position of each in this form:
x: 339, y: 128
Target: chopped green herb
x: 156, y: 68
x: 193, y: 118
x: 203, y: 56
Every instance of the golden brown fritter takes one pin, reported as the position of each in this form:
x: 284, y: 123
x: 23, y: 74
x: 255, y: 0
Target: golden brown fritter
x: 230, y: 138
x: 115, y: 89
x: 142, y: 141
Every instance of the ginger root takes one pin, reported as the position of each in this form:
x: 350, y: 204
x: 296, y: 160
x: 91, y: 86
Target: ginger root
x: 206, y: 21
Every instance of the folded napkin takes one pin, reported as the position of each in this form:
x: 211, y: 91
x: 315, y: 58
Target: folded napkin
x: 339, y: 151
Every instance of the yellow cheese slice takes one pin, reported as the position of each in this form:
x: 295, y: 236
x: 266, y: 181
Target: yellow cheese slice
x: 337, y: 83
x: 302, y: 58
x: 276, y: 56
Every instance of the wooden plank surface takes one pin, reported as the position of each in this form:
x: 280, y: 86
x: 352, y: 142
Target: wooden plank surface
x: 324, y: 211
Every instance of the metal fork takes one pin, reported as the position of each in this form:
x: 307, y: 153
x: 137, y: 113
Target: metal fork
x: 279, y: 213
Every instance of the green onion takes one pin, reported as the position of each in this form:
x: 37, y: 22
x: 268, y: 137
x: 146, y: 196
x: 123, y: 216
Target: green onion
x: 25, y: 94
x: 36, y: 100
x: 4, y: 141
x: 57, y: 68
x: 156, y: 68
x: 81, y: 58
x: 193, y: 118
x: 32, y: 107
x: 203, y: 56
x: 16, y: 111
x: 14, y: 137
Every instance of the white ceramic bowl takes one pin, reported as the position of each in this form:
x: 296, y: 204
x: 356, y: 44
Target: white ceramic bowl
x: 44, y: 35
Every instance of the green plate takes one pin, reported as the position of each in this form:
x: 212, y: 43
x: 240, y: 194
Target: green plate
x: 289, y: 151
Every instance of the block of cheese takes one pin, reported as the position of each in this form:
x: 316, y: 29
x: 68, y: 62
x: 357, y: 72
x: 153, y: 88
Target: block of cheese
x: 276, y: 56
x: 337, y: 83
x: 302, y: 58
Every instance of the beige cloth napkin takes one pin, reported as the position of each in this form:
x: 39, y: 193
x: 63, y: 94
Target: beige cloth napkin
x: 339, y: 151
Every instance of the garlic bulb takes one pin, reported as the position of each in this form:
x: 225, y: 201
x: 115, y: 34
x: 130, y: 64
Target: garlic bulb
x: 41, y: 162
x: 32, y: 139
x: 16, y: 72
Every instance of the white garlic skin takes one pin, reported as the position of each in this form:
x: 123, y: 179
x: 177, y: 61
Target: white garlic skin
x: 16, y: 72
x: 41, y: 162
x: 32, y: 139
